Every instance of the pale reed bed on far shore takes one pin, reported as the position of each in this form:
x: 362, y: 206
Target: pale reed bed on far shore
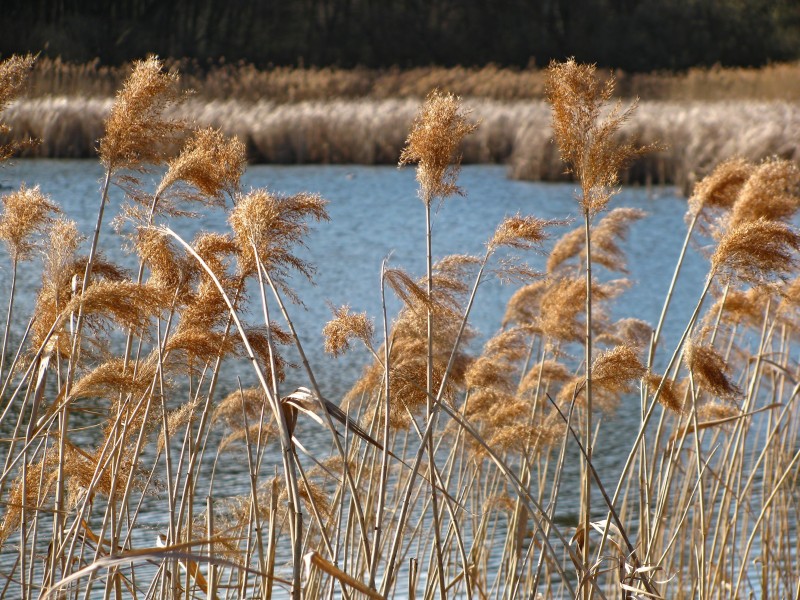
x: 694, y: 136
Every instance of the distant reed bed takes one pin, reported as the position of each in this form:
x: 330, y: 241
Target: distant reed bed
x: 245, y: 82
x: 447, y: 472
x: 694, y: 135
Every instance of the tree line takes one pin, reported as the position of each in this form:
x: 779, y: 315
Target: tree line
x: 634, y: 35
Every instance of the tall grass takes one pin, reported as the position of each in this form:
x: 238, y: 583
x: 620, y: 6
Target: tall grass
x: 693, y: 136
x: 245, y: 82
x: 447, y: 470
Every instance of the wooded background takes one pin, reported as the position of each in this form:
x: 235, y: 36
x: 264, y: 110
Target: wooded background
x: 634, y: 35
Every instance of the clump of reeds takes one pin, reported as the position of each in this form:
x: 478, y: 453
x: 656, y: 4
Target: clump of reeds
x: 460, y: 464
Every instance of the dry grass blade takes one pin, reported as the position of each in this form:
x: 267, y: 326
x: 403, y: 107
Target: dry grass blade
x: 312, y: 559
x: 156, y: 554
x: 690, y: 428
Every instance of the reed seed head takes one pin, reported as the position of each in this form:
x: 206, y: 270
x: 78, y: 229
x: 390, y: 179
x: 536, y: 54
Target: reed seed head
x: 344, y: 327
x: 617, y: 368
x: 210, y: 163
x: 523, y: 306
x: 709, y: 370
x: 13, y: 73
x: 757, y: 251
x: 137, y: 131
x: 435, y: 136
x: 586, y: 142
x: 272, y: 224
x: 772, y: 193
x: 671, y: 395
x: 167, y: 269
x: 720, y: 188
x: 26, y: 212
x: 521, y: 233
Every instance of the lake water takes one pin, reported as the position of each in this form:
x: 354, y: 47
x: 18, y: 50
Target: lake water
x: 375, y: 213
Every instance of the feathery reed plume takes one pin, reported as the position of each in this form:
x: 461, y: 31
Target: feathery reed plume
x: 720, y: 189
x: 757, y: 251
x: 26, y: 212
x: 617, y: 368
x: 521, y: 233
x: 563, y: 304
x: 790, y: 302
x: 523, y: 306
x: 614, y: 372
x: 256, y: 435
x: 180, y: 417
x: 210, y: 163
x: 435, y: 135
x: 217, y: 250
x: 606, y: 234
x: 344, y: 327
x: 717, y: 411
x: 30, y: 493
x: 131, y: 305
x: 272, y: 224
x: 200, y: 344
x: 111, y: 379
x: 587, y: 143
x: 60, y: 281
x: 136, y: 130
x: 566, y: 247
x: 671, y: 395
x: 612, y: 229
x: 59, y: 255
x: 709, y: 369
x: 771, y: 193
x: 13, y: 74
x: 408, y: 290
x: 547, y: 372
x: 632, y: 332
x: 250, y: 404
x: 167, y: 269
x: 741, y: 307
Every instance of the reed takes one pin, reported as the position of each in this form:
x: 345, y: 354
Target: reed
x: 693, y: 136
x: 452, y: 461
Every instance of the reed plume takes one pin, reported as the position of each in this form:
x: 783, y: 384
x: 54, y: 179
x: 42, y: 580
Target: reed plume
x: 771, y: 193
x: 344, y: 327
x: 26, y: 212
x: 757, y: 251
x: 208, y: 167
x: 435, y: 135
x: 137, y: 131
x: 586, y: 139
x: 266, y: 226
x: 709, y: 370
x: 720, y: 189
x: 13, y: 74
